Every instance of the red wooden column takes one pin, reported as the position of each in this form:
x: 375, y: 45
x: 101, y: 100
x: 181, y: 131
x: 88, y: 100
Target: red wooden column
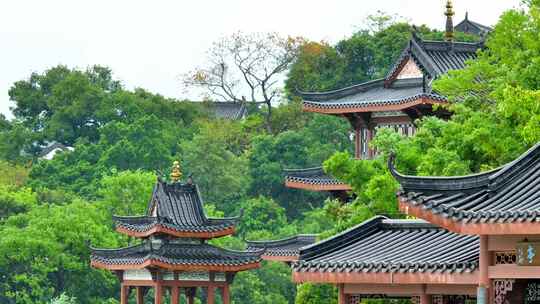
x: 140, y: 295
x: 225, y: 294
x: 342, y: 297
x: 358, y: 142
x: 158, y: 293
x: 425, y: 299
x: 175, y: 295
x: 124, y: 294
x: 211, y: 295
x: 484, y: 283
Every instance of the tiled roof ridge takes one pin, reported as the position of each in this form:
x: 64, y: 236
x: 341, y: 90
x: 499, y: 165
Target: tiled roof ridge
x: 306, y: 171
x: 357, y: 88
x: 492, y: 179
x: 453, y: 253
x: 308, y: 238
x: 472, y: 181
x: 341, y: 239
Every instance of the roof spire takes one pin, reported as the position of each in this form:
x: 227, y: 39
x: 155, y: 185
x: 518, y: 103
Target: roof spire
x: 449, y: 35
x: 176, y: 174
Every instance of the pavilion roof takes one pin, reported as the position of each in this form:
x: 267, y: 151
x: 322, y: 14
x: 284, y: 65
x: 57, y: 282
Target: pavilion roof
x: 435, y: 58
x: 471, y: 27
x: 381, y: 245
x: 313, y: 178
x: 175, y: 209
x: 289, y: 247
x: 175, y: 256
x: 370, y: 97
x: 507, y: 198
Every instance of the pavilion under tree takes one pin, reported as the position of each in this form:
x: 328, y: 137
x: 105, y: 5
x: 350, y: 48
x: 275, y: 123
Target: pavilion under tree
x: 174, y: 254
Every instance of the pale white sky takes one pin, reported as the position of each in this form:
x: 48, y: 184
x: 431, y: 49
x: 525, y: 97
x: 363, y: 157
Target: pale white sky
x: 149, y: 43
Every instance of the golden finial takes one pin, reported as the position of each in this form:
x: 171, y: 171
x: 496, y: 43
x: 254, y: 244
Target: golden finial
x: 176, y: 174
x: 449, y: 35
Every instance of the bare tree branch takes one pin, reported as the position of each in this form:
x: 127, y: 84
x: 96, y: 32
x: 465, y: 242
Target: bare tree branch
x: 246, y: 65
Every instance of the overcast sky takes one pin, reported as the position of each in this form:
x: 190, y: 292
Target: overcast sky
x: 149, y: 43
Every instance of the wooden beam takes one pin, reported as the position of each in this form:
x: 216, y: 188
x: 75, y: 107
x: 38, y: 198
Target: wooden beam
x: 463, y: 278
x: 154, y: 263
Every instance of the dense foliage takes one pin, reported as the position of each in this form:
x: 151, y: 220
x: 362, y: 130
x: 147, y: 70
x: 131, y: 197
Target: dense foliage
x: 51, y: 211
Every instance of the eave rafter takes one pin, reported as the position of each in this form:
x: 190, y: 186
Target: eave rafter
x: 159, y: 229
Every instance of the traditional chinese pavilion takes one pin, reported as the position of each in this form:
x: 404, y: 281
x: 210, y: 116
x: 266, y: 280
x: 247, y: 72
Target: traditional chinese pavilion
x: 174, y: 255
x: 284, y: 250
x: 502, y: 208
x: 395, y: 101
x: 384, y: 258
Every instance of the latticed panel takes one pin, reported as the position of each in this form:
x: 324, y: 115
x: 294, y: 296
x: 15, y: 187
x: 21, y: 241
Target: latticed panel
x: 505, y: 257
x: 501, y: 288
x: 355, y: 300
x: 437, y: 300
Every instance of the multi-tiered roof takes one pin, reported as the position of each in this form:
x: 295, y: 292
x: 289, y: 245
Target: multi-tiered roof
x: 175, y: 216
x: 173, y: 251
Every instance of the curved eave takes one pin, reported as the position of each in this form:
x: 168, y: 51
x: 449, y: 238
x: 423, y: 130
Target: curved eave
x: 153, y: 263
x: 481, y: 228
x: 160, y: 229
x: 386, y: 277
x: 316, y: 186
x: 323, y: 108
x: 439, y: 183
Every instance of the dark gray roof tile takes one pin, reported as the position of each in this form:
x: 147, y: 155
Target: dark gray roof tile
x: 383, y: 245
x: 510, y: 193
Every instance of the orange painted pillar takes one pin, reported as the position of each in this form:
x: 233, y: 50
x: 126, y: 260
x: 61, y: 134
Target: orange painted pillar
x: 342, y: 297
x: 225, y: 296
x: 211, y: 295
x: 124, y: 294
x: 140, y: 295
x: 175, y: 295
x: 158, y: 293
x: 484, y: 283
x: 425, y: 299
x: 357, y: 143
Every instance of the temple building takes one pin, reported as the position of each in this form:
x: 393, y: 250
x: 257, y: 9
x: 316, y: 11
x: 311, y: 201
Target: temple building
x: 174, y: 255
x: 502, y: 208
x: 476, y: 239
x: 395, y: 259
x: 396, y: 101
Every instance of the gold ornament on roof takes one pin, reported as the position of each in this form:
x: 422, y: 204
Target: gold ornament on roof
x: 449, y: 35
x: 176, y: 174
